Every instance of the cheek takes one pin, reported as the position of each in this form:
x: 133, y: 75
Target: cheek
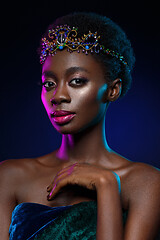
x: 91, y: 107
x: 90, y: 99
x: 84, y: 98
x: 45, y: 100
x: 101, y: 92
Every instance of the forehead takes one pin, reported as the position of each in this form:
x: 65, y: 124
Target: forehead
x: 64, y: 60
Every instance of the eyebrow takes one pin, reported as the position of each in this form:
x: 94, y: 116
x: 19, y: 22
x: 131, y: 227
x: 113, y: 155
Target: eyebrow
x: 49, y: 74
x: 75, y: 69
x: 68, y: 72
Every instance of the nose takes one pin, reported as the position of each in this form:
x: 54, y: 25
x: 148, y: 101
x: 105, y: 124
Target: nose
x: 60, y: 95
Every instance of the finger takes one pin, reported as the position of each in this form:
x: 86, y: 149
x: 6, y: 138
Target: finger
x: 67, y: 169
x: 56, y: 179
x: 59, y: 178
x: 61, y: 181
x: 56, y: 188
x: 49, y: 188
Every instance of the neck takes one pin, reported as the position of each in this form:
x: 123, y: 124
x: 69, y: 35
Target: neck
x: 88, y: 146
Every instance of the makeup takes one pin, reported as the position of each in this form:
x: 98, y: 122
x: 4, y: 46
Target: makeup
x: 64, y: 119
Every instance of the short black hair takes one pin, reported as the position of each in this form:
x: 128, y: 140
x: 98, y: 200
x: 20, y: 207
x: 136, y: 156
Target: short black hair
x: 111, y: 37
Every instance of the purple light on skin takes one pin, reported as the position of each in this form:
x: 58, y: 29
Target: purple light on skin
x: 52, y: 190
x: 71, y: 141
x: 62, y: 153
x: 70, y: 170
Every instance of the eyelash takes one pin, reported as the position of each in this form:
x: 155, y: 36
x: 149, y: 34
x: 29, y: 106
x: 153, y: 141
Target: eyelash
x: 83, y: 81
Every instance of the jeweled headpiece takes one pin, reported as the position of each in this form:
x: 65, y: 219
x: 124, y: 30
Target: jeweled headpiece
x: 65, y: 37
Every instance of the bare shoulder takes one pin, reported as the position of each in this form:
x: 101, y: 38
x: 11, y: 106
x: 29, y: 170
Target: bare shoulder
x: 142, y: 185
x: 138, y: 180
x: 12, y: 174
x: 140, y: 174
x: 134, y: 172
x: 24, y: 170
x: 11, y: 171
x: 15, y: 164
x: 9, y: 167
x: 15, y: 169
x: 141, y: 188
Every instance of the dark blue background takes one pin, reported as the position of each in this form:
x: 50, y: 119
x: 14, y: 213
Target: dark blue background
x: 132, y: 123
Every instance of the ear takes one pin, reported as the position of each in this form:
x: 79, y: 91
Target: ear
x: 114, y: 90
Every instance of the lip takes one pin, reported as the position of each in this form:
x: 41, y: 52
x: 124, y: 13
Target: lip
x: 64, y: 119
x: 61, y: 113
x: 62, y: 116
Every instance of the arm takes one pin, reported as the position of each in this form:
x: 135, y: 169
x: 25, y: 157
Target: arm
x: 109, y: 217
x: 143, y: 191
x: 144, y: 205
x: 7, y: 199
x: 143, y: 220
x: 109, y: 210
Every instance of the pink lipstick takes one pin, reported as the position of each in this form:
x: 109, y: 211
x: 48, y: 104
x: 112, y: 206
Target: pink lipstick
x: 62, y: 117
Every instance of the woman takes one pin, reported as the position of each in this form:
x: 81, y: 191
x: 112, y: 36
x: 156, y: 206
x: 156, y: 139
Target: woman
x: 84, y: 189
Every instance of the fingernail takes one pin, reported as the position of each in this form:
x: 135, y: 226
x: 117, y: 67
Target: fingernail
x: 48, y: 197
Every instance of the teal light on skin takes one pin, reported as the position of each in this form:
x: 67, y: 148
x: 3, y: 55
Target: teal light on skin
x: 101, y: 91
x: 100, y: 94
x: 99, y: 116
x: 89, y: 101
x: 103, y: 106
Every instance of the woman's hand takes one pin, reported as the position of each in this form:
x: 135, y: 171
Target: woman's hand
x: 83, y: 174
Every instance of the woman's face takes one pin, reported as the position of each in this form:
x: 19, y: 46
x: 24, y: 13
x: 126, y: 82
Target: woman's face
x: 74, y: 82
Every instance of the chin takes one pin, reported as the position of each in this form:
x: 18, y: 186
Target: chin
x: 66, y: 128
x: 75, y: 126
x: 72, y: 129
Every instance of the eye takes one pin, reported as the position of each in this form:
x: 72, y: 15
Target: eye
x: 48, y: 84
x: 78, y: 81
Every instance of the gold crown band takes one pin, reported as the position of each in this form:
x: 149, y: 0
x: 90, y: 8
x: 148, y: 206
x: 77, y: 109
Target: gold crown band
x: 65, y: 37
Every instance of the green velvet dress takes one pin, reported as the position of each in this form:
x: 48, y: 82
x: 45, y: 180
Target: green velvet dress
x: 37, y: 221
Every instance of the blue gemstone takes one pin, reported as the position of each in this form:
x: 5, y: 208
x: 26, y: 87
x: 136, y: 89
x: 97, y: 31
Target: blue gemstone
x: 60, y: 47
x: 87, y: 47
